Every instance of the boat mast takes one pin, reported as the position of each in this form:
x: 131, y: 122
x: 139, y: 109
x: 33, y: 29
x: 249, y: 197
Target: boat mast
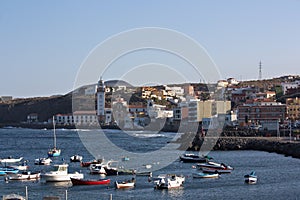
x: 54, y: 133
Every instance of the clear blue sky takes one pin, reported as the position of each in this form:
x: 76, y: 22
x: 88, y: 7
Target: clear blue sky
x: 43, y: 43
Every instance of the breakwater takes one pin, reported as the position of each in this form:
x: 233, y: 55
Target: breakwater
x: 268, y: 144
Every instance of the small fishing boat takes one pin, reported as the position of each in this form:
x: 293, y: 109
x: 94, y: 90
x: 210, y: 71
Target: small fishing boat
x: 54, y: 152
x: 27, y: 175
x: 87, y: 164
x: 251, y: 178
x: 125, y: 184
x: 13, y: 197
x: 76, y: 158
x: 193, y: 158
x: 8, y: 170
x: 212, y: 167
x: 22, y: 166
x: 60, y: 173
x: 90, y: 182
x: 10, y: 160
x: 205, y: 175
x: 168, y: 181
x: 42, y: 161
x: 97, y: 169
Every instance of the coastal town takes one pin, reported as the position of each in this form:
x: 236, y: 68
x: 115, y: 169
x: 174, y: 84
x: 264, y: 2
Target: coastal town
x: 260, y: 107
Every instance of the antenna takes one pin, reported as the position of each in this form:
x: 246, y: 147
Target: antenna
x: 260, y: 73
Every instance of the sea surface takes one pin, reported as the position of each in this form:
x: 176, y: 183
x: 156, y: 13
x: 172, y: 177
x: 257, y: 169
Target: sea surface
x: 278, y: 176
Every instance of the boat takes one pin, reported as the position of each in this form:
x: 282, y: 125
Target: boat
x: 76, y: 158
x: 87, y: 164
x: 23, y: 166
x: 205, y: 175
x: 125, y: 184
x: 54, y: 152
x: 42, y: 161
x: 168, y: 181
x: 27, y: 175
x: 13, y: 197
x: 10, y: 160
x: 60, y: 173
x: 251, y: 178
x: 8, y: 170
x: 97, y: 169
x: 90, y: 182
x: 193, y: 158
x: 212, y: 167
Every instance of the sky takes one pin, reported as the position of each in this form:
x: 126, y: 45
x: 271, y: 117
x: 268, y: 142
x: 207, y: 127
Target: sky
x: 45, y: 44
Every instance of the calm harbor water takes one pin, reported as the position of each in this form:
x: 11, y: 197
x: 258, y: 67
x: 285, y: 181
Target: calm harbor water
x: 278, y: 176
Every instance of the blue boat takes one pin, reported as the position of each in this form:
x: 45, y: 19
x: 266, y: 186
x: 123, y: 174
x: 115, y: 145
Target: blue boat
x: 8, y: 170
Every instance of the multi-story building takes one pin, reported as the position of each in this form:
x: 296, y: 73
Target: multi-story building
x: 293, y: 108
x: 206, y: 109
x: 266, y: 114
x: 86, y: 118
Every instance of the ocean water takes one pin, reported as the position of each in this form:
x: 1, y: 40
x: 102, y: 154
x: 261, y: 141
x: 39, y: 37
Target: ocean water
x: 278, y: 176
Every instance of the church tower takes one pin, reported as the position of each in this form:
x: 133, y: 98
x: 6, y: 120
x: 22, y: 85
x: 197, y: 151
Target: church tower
x: 101, y: 99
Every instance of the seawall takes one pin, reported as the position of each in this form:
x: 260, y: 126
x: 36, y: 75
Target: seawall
x: 268, y: 144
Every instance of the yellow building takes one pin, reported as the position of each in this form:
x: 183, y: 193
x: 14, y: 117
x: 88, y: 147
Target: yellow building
x: 293, y: 108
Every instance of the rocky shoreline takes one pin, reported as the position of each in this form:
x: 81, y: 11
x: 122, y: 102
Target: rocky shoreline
x: 268, y: 144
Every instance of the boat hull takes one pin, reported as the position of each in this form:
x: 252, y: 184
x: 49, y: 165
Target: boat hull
x: 90, y: 182
x: 206, y: 175
x: 124, y: 185
x: 61, y: 177
x: 25, y: 176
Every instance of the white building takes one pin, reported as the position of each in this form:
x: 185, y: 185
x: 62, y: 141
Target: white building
x: 286, y: 86
x: 101, y: 98
x: 87, y: 118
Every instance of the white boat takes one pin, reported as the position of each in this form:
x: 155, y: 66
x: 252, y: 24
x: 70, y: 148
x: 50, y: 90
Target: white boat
x: 125, y: 184
x: 27, y: 175
x: 251, y: 178
x: 13, y: 197
x: 10, y: 160
x: 42, y: 161
x: 97, y: 169
x: 54, y: 152
x: 212, y: 167
x: 76, y: 158
x: 21, y: 167
x: 205, y: 175
x: 168, y: 181
x: 60, y: 173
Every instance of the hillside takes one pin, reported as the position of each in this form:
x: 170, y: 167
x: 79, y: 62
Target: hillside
x: 17, y: 110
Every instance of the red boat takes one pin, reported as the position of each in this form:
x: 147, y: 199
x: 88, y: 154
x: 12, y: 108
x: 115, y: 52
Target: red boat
x: 90, y: 182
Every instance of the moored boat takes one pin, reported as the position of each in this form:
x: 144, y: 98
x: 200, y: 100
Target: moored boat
x: 125, y: 184
x: 27, y: 175
x: 212, y: 167
x: 90, y: 182
x: 54, y: 152
x: 60, y: 173
x: 193, y: 158
x: 10, y: 160
x: 168, y: 181
x: 88, y: 163
x: 97, y: 169
x: 8, y: 170
x: 251, y: 178
x: 76, y: 158
x: 205, y: 175
x: 23, y: 166
x: 42, y: 161
x: 13, y: 197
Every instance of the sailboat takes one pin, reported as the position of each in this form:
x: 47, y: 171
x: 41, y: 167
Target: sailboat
x: 54, y: 152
